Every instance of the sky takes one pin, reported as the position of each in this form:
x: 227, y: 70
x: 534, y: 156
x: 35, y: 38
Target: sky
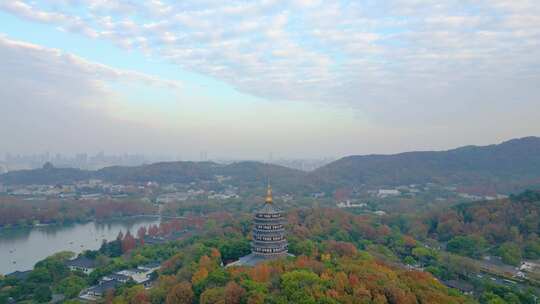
x: 242, y: 79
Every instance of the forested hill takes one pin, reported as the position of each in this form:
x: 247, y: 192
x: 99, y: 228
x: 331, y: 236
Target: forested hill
x: 507, y: 167
x: 240, y: 173
x: 47, y: 175
x: 506, y: 227
x: 510, y: 166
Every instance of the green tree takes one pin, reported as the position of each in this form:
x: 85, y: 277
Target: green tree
x: 298, y: 286
x: 213, y: 296
x: 510, y: 253
x: 423, y: 254
x: 42, y: 293
x: 40, y: 275
x: 232, y: 250
x: 305, y: 247
x: 71, y: 286
x: 532, y: 250
x: 409, y: 260
x: 491, y: 298
x: 467, y: 246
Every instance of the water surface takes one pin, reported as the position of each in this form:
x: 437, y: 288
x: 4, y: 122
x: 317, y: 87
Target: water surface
x: 21, y: 248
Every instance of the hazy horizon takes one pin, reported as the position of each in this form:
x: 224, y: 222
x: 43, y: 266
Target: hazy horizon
x: 142, y: 158
x: 243, y: 79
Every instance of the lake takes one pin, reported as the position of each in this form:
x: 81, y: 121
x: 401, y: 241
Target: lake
x: 21, y: 248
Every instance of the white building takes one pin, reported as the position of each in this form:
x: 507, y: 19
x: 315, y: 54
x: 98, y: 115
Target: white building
x: 529, y: 266
x: 382, y: 193
x: 172, y: 197
x: 348, y: 204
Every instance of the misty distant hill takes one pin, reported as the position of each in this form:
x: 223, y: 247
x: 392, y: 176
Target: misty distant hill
x: 162, y: 172
x: 47, y: 175
x: 510, y: 166
x: 246, y: 173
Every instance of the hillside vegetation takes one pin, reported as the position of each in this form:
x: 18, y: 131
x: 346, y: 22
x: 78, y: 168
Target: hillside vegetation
x: 508, y: 167
x: 244, y: 174
x: 508, y: 228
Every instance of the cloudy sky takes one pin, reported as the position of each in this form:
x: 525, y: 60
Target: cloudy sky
x: 240, y: 79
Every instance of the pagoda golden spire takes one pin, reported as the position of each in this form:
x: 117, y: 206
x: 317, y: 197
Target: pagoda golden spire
x: 269, y: 194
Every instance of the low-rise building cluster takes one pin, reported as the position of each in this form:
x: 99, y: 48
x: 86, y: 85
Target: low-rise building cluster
x: 140, y: 275
x: 95, y: 189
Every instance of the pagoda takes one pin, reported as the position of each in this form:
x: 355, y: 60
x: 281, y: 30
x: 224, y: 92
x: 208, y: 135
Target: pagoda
x: 268, y: 230
x: 269, y: 240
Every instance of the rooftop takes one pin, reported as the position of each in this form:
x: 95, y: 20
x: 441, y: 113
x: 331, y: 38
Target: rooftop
x: 19, y: 275
x: 103, y: 287
x: 117, y: 277
x: 149, y: 266
x: 254, y: 259
x: 268, y: 208
x: 460, y: 285
x: 82, y: 262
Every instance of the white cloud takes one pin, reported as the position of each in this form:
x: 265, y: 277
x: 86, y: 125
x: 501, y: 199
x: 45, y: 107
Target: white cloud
x: 60, y: 61
x: 364, y: 53
x: 55, y: 100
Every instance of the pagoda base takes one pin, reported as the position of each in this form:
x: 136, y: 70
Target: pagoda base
x: 253, y: 259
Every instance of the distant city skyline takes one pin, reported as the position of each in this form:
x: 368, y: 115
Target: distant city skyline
x: 303, y: 79
x: 94, y: 161
x: 11, y: 162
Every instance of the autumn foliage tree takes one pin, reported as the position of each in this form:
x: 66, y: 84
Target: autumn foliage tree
x: 233, y: 293
x: 128, y: 243
x: 213, y: 296
x: 141, y: 233
x: 153, y: 230
x: 199, y: 275
x: 180, y: 293
x: 260, y: 273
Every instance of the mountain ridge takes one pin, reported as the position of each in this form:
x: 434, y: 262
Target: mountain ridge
x: 512, y: 161
x: 510, y: 166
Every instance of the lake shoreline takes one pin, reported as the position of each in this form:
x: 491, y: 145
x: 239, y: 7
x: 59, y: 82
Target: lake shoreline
x: 59, y: 224
x: 22, y: 247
